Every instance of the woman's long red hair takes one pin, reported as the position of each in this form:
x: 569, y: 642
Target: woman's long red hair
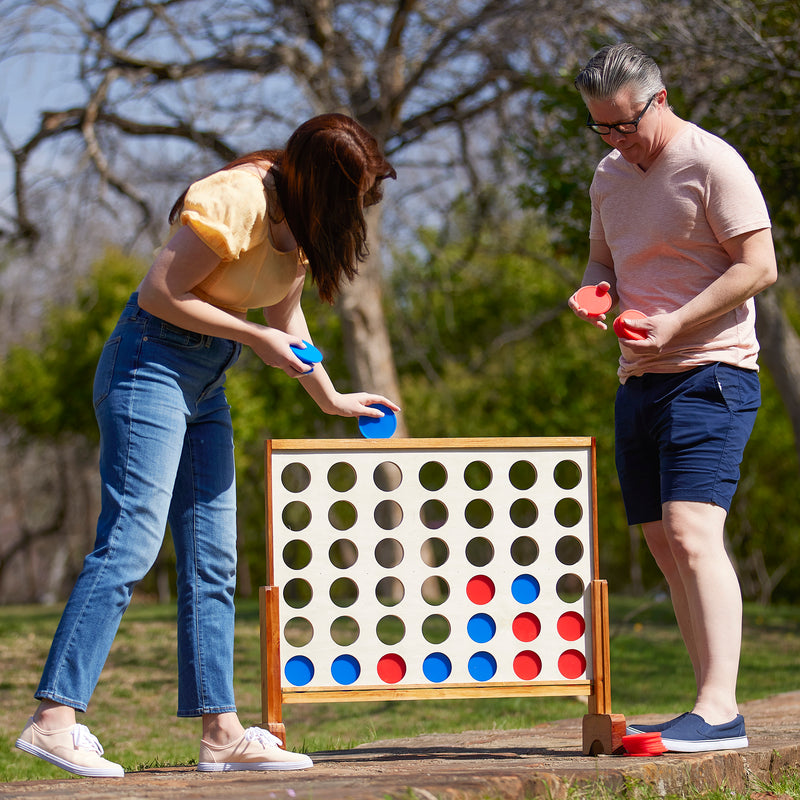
x: 330, y: 169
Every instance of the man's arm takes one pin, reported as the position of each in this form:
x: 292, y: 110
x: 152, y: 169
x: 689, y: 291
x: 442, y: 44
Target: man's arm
x: 753, y: 268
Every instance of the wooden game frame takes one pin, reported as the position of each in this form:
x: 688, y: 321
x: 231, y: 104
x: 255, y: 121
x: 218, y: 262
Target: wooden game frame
x: 602, y: 731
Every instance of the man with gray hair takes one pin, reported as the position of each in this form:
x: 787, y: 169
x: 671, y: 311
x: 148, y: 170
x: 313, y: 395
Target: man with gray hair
x: 679, y: 232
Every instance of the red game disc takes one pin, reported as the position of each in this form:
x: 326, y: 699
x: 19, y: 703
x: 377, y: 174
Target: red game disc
x: 623, y: 331
x: 593, y: 300
x: 643, y: 744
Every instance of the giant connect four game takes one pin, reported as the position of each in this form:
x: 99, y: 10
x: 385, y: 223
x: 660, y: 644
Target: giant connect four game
x: 448, y: 568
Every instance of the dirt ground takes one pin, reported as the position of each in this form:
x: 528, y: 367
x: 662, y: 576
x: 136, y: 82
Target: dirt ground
x: 478, y: 765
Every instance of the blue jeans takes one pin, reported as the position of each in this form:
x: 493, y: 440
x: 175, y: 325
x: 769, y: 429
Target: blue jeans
x: 166, y: 455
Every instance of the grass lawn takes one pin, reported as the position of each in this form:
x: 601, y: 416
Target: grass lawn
x: 133, y: 708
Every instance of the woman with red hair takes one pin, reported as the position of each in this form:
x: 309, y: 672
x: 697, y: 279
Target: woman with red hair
x: 243, y: 237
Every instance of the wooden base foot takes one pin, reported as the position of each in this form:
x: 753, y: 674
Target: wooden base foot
x: 602, y: 734
x: 276, y: 729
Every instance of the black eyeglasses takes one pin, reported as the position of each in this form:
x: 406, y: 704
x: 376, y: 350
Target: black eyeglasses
x: 626, y: 128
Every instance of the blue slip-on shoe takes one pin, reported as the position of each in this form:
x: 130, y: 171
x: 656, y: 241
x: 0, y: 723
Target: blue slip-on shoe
x: 693, y: 734
x: 638, y: 727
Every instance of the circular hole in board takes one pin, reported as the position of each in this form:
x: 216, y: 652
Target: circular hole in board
x: 387, y: 476
x: 297, y: 593
x: 342, y: 515
x: 477, y: 475
x: 522, y: 475
x: 568, y: 512
x: 343, y: 592
x: 390, y: 629
x: 433, y: 514
x: 296, y: 554
x: 523, y: 512
x: 432, y: 476
x: 296, y: 516
x: 569, y: 550
x: 341, y: 477
x: 434, y: 552
x: 479, y: 551
x: 569, y: 588
x: 295, y: 477
x: 343, y: 554
x: 478, y: 513
x: 435, y: 590
x: 388, y: 553
x: 567, y: 474
x: 388, y: 514
x: 389, y: 591
x: 524, y: 551
x: 298, y: 632
x: 436, y: 629
x: 344, y: 631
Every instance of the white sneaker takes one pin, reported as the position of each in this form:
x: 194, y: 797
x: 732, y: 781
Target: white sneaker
x: 256, y: 750
x: 74, y: 749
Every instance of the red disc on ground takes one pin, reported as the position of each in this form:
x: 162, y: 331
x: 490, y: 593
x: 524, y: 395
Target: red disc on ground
x: 480, y: 589
x: 593, y: 300
x: 571, y: 626
x: 526, y: 627
x: 391, y: 668
x: 527, y: 665
x: 643, y: 744
x: 571, y: 664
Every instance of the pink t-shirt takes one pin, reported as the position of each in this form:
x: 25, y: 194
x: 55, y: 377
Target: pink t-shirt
x: 664, y: 228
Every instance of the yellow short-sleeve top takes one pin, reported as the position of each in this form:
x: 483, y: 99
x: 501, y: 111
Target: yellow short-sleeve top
x: 228, y: 212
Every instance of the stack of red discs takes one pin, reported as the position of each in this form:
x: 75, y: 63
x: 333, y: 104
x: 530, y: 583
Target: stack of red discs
x: 643, y: 744
x: 622, y: 329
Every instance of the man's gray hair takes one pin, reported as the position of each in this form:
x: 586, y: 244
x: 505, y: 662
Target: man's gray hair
x: 619, y: 66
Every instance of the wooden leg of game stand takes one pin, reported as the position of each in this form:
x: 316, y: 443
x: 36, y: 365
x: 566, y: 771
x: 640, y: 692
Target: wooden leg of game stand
x: 602, y: 730
x: 271, y: 699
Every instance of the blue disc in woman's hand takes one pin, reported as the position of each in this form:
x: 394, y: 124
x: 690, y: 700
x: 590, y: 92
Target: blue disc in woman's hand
x: 378, y: 427
x: 308, y: 354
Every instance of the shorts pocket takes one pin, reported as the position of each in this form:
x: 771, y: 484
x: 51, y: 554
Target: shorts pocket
x: 740, y: 388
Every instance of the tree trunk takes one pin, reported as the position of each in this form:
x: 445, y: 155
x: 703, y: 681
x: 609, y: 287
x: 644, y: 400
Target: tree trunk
x: 780, y: 351
x: 368, y: 349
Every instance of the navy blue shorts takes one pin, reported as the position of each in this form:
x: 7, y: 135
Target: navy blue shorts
x: 681, y: 436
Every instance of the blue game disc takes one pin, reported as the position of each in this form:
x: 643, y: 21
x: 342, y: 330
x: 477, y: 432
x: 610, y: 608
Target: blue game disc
x: 482, y: 666
x: 309, y: 355
x: 481, y: 628
x: 378, y: 427
x: 299, y: 670
x: 437, y: 667
x: 525, y: 588
x: 345, y: 669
